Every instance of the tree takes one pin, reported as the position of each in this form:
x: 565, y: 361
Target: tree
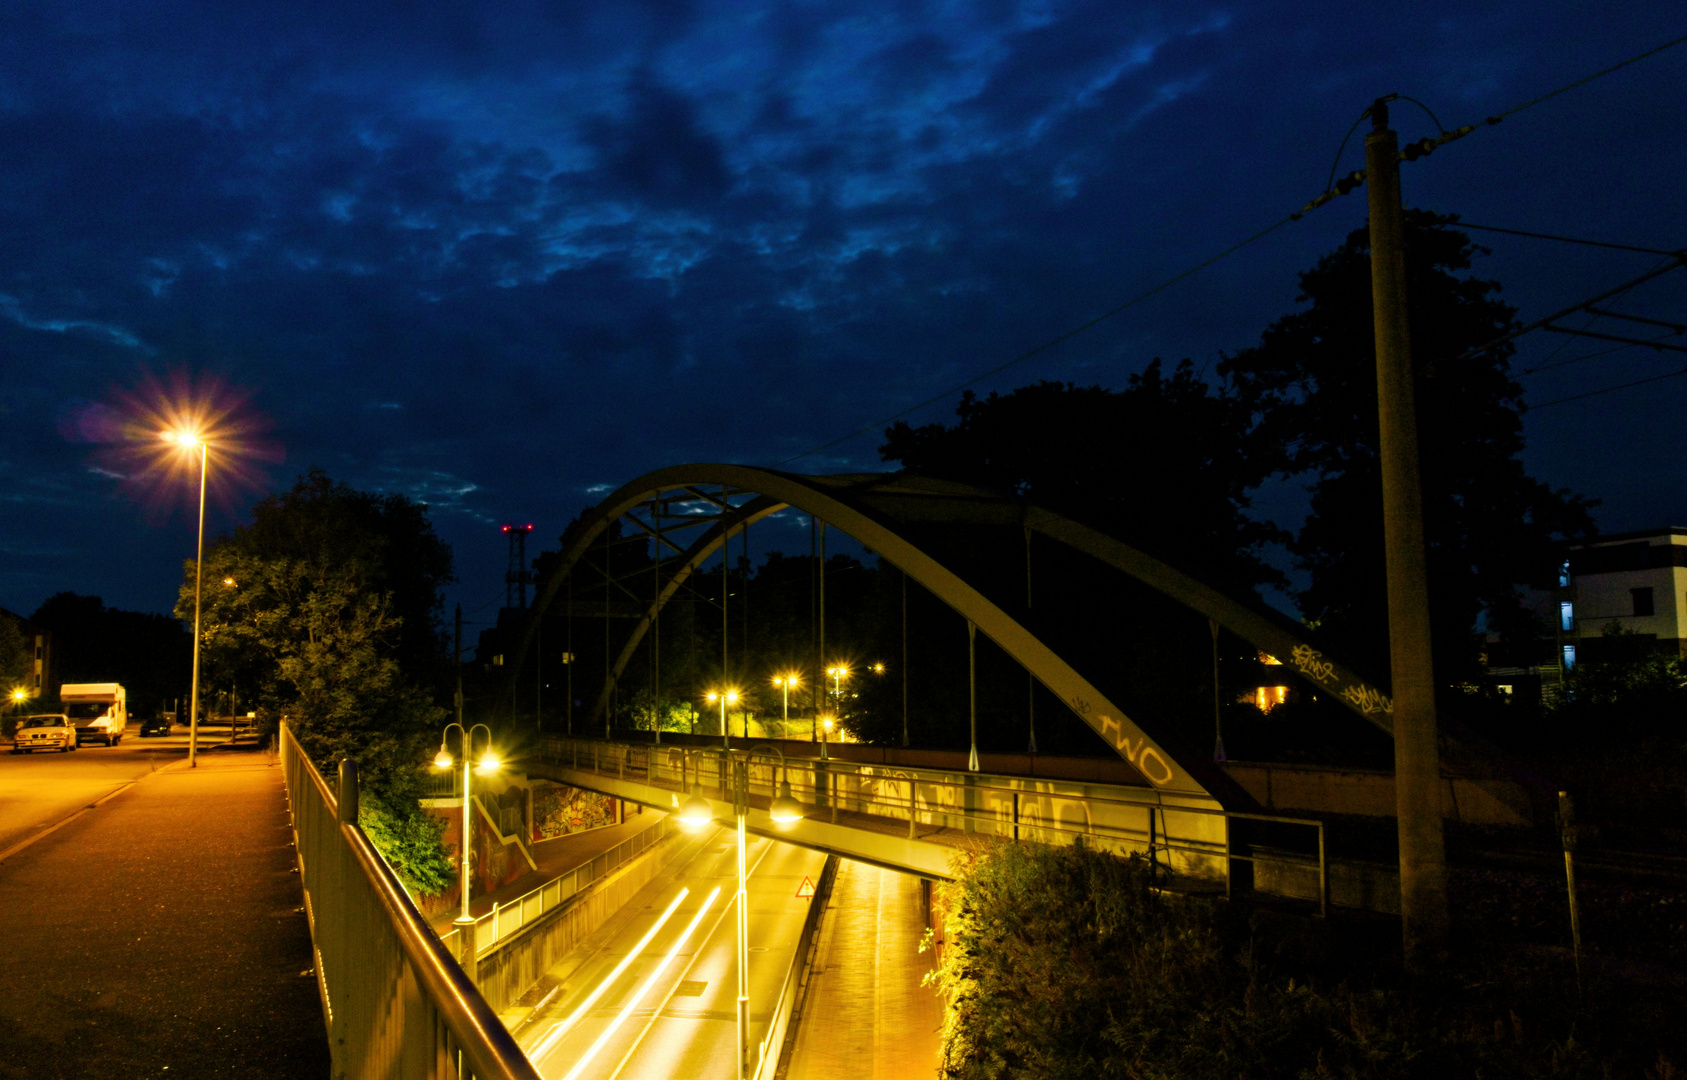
x: 311, y: 608
x: 1488, y: 526
x: 1166, y: 463
x: 149, y: 653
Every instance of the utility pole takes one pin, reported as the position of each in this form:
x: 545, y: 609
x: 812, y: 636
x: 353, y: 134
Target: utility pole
x: 457, y: 698
x: 1417, y: 758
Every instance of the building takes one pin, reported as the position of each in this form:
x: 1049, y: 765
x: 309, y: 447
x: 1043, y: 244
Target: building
x: 38, y: 671
x: 1635, y: 582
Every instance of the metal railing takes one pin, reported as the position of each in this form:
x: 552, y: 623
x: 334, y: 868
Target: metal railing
x: 1186, y: 838
x: 395, y: 1002
x: 772, y: 1047
x: 505, y: 920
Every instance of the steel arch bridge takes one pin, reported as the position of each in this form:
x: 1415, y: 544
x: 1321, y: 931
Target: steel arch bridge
x: 890, y: 514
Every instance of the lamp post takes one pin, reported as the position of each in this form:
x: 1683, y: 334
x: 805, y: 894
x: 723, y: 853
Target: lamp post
x: 696, y: 812
x: 488, y: 763
x: 786, y: 683
x: 725, y: 697
x: 189, y: 440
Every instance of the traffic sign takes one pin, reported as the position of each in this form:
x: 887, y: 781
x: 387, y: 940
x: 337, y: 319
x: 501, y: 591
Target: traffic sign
x: 806, y: 889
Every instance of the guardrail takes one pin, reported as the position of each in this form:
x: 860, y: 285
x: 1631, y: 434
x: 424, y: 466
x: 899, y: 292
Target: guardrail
x: 395, y: 1002
x: 772, y: 1049
x: 506, y: 920
x: 1189, y: 840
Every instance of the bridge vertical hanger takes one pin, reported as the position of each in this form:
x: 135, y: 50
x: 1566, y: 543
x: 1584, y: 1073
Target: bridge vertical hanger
x: 905, y: 676
x: 1030, y: 679
x: 820, y: 666
x: 656, y: 621
x: 972, y: 694
x: 608, y: 712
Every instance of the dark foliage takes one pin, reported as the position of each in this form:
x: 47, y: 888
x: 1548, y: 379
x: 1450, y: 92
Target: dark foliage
x: 1166, y: 463
x: 1062, y: 962
x: 1489, y: 526
x: 151, y: 655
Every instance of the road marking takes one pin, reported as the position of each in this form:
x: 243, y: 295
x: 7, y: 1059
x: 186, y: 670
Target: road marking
x: 626, y: 1011
x: 21, y: 844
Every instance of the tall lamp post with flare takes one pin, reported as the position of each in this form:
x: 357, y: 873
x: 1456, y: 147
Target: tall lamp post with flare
x: 696, y: 812
x: 188, y: 440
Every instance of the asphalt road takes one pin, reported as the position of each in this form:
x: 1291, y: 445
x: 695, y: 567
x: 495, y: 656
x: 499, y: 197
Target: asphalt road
x: 38, y: 790
x: 679, y: 993
x: 159, y: 935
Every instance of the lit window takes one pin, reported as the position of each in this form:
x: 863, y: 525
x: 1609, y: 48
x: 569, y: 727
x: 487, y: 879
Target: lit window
x: 1566, y: 616
x: 1569, y: 657
x: 1504, y: 688
x: 1269, y: 660
x: 1269, y: 697
x: 1564, y: 574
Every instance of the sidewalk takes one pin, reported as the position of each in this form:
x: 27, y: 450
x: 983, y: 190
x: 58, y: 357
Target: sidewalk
x: 867, y: 1017
x: 160, y: 935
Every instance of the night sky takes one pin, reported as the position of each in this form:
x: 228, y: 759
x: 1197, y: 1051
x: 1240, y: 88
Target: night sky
x: 504, y: 257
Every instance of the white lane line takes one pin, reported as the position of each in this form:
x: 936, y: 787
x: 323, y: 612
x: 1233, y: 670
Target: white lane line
x: 644, y: 989
x: 698, y: 955
x: 551, y: 1037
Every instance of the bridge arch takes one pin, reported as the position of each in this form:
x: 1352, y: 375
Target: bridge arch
x: 878, y: 510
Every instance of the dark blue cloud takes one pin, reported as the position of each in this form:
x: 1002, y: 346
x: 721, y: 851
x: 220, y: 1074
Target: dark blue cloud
x: 492, y: 257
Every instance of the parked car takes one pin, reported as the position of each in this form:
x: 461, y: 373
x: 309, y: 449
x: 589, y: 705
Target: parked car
x: 158, y: 725
x: 100, y: 710
x: 53, y: 731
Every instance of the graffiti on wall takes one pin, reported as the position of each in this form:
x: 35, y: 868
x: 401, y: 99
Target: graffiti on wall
x: 559, y: 810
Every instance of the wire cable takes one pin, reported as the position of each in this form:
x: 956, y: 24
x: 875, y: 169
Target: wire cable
x: 1411, y: 152
x: 1608, y: 389
x: 1564, y: 239
x: 1047, y: 345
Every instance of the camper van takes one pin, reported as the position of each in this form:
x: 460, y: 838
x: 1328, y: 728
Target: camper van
x: 100, y: 711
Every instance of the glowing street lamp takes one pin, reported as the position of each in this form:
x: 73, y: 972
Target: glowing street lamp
x: 488, y: 763
x: 19, y: 695
x: 695, y: 812
x: 726, y: 697
x: 787, y: 682
x: 189, y: 439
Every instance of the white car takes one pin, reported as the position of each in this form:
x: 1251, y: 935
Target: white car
x: 50, y: 732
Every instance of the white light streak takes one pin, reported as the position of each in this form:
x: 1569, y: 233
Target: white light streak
x: 627, y: 1009
x: 548, y: 1043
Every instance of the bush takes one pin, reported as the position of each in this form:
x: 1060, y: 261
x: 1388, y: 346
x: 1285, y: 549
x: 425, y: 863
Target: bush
x: 409, y: 840
x: 1064, y: 962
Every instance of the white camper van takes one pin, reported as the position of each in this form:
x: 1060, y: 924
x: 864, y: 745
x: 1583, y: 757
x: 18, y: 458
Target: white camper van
x: 100, y: 711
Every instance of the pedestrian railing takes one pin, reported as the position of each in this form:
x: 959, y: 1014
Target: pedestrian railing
x: 505, y: 920
x: 395, y: 1002
x: 1190, y: 840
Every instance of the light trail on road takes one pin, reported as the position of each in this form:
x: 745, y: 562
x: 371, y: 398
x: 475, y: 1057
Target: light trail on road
x: 645, y: 988
x: 556, y: 1033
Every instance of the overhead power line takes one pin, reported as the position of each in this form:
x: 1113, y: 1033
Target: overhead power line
x: 1565, y: 239
x: 1411, y: 152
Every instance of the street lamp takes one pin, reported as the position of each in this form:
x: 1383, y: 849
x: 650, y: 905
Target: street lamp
x: 695, y: 812
x: 488, y: 763
x: 189, y: 440
x: 725, y: 697
x: 787, y: 682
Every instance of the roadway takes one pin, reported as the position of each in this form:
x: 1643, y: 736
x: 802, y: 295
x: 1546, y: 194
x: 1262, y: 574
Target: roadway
x: 39, y: 790
x: 654, y: 994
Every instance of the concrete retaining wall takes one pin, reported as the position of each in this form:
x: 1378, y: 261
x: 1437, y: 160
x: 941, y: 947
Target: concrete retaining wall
x: 520, y: 960
x: 1370, y: 793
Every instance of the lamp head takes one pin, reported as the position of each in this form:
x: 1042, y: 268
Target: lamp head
x: 488, y: 763
x: 184, y: 438
x: 732, y: 697
x: 695, y: 812
x: 442, y: 760
x: 785, y: 809
x: 711, y: 697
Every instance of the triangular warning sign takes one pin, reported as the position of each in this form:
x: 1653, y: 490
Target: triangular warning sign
x: 806, y: 889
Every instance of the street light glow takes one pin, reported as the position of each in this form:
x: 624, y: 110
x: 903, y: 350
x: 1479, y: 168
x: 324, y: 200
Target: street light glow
x: 785, y: 808
x: 695, y: 812
x: 182, y: 437
x: 489, y: 763
x: 442, y: 760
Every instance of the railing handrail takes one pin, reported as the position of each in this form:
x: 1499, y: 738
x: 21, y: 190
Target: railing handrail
x: 485, y: 1043
x: 484, y: 946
